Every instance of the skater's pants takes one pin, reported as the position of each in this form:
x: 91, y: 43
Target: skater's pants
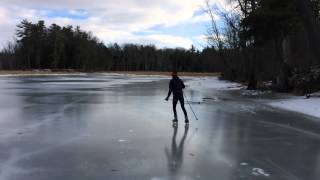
x: 174, y: 105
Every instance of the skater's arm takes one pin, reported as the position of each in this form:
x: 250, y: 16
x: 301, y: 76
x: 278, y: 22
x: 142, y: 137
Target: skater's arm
x: 170, y: 91
x: 183, y: 86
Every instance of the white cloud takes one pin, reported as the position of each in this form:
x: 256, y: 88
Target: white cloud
x: 109, y: 20
x: 3, y: 16
x: 201, y: 18
x: 78, y: 12
x: 200, y: 41
x: 7, y: 27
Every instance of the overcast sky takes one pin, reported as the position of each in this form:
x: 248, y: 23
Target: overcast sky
x: 165, y: 23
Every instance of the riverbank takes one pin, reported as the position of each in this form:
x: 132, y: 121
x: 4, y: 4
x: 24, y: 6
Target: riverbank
x: 301, y: 104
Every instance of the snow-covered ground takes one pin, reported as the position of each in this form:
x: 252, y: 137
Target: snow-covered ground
x: 300, y: 104
x: 212, y: 82
x: 255, y: 93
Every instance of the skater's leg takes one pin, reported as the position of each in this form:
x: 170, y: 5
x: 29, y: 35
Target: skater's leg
x: 174, y: 106
x: 182, y: 107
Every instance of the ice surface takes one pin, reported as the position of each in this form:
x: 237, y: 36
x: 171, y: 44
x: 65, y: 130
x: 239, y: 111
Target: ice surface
x: 35, y: 74
x: 111, y: 126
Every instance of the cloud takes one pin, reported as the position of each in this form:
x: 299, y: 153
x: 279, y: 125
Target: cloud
x: 200, y: 41
x: 110, y: 20
x: 7, y: 27
x: 201, y: 18
x: 3, y: 16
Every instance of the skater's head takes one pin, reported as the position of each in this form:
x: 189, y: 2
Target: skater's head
x: 174, y: 74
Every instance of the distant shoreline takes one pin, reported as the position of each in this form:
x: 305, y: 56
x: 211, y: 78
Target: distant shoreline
x: 164, y: 73
x: 75, y: 72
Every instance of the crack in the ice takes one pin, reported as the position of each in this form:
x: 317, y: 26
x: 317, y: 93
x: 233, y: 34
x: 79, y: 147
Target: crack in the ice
x: 54, y: 117
x: 9, y: 167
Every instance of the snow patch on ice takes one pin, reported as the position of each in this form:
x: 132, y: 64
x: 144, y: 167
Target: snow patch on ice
x: 158, y: 178
x: 248, y: 109
x: 254, y: 93
x: 244, y: 164
x: 213, y: 83
x: 122, y: 140
x: 176, y: 177
x: 309, y: 106
x: 215, y: 99
x: 259, y: 172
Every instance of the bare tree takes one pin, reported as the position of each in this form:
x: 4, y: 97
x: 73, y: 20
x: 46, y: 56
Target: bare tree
x: 214, y: 34
x: 225, y: 34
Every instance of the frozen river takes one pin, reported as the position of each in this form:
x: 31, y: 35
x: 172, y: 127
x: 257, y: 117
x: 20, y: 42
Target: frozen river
x: 97, y: 127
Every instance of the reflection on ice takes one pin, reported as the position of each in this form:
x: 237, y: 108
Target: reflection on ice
x: 175, y: 154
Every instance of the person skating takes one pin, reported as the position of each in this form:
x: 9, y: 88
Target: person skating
x: 176, y: 86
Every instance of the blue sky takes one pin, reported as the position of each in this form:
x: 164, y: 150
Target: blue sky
x: 79, y: 14
x: 165, y: 23
x: 193, y: 31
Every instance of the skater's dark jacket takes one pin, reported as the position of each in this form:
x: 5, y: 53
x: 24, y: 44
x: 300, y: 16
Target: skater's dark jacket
x: 175, y: 86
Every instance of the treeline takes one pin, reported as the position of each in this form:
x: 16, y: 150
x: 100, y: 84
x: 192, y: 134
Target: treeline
x: 270, y: 40
x: 55, y: 47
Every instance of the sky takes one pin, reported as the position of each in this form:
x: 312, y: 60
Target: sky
x: 164, y: 23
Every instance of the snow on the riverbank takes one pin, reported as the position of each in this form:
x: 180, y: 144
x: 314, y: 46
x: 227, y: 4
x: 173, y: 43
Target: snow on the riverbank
x: 255, y: 93
x: 212, y: 82
x: 309, y: 106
